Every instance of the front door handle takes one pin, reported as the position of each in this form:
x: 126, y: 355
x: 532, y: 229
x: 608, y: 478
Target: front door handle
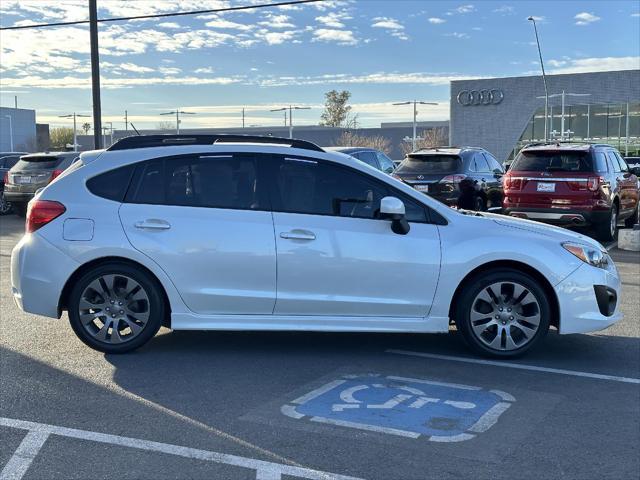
x: 153, y: 224
x: 298, y: 235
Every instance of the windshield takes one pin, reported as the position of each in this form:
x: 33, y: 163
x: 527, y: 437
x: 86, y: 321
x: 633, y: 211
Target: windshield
x: 430, y: 164
x: 552, y: 161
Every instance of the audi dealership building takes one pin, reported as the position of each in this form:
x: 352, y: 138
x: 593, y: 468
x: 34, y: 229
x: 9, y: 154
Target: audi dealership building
x: 503, y: 114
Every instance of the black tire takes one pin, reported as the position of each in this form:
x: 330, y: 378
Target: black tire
x: 20, y: 209
x: 607, y: 229
x: 479, y: 205
x: 156, y: 307
x: 475, y: 286
x: 5, y: 207
x: 633, y: 219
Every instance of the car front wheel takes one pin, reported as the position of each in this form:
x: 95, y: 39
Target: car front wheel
x: 5, y: 207
x: 503, y: 313
x: 116, y: 308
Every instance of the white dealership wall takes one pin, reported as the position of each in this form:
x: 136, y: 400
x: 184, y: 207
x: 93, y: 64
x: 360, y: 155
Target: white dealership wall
x: 498, y: 127
x: 23, y: 124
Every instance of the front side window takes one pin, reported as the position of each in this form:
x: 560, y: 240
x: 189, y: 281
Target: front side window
x: 319, y: 188
x: 481, y: 164
x: 367, y: 157
x: 614, y: 161
x: 215, y: 181
x: 623, y: 165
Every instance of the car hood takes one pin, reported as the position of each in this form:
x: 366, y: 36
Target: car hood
x: 561, y: 234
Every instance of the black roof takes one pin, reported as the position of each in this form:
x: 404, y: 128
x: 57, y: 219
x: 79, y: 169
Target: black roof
x: 147, y: 141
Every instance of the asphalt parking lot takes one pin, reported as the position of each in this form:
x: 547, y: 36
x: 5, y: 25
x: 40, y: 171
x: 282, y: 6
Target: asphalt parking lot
x: 286, y: 405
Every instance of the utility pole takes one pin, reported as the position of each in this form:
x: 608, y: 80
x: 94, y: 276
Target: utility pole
x: 126, y: 121
x: 544, y: 78
x: 15, y: 101
x: 243, y: 118
x: 415, y: 116
x: 177, y: 112
x: 75, y: 128
x: 95, y: 75
x: 290, y: 108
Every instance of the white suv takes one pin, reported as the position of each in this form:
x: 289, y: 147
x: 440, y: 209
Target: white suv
x: 258, y: 233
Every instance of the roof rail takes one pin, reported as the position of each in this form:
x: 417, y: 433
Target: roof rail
x: 147, y: 141
x: 561, y: 142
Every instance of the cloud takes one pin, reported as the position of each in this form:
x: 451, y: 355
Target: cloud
x: 597, y: 64
x: 108, y: 83
x: 586, y: 18
x: 132, y: 67
x: 277, y: 21
x: 505, y: 10
x: 204, y: 70
x: 171, y: 25
x: 462, y: 9
x: 460, y: 35
x: 218, y: 22
x: 276, y: 38
x: 334, y: 19
x: 391, y: 25
x: 172, y: 71
x: 637, y: 14
x: 382, y: 78
x: 538, y: 19
x: 342, y: 37
x: 436, y: 20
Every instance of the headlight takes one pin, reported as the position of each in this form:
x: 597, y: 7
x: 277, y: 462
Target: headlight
x: 592, y: 256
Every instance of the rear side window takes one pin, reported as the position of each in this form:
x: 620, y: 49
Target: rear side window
x: 113, y: 184
x: 601, y: 163
x: 430, y: 164
x: 614, y: 162
x: 367, y: 157
x: 215, y: 181
x: 552, y: 161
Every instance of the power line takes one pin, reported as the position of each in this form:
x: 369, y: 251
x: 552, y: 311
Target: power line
x: 163, y: 15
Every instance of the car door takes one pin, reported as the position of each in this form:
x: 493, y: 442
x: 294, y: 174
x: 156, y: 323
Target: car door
x: 621, y: 186
x: 629, y: 184
x: 335, y: 257
x: 206, y: 220
x: 495, y: 190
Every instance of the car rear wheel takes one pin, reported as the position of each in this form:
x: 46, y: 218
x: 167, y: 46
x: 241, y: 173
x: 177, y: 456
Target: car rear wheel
x: 503, y: 313
x: 607, y: 229
x: 5, y: 207
x: 633, y: 219
x: 116, y: 308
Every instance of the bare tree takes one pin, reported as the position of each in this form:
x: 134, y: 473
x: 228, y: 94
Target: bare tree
x: 61, y: 137
x: 165, y: 125
x: 378, y: 142
x: 86, y: 127
x: 433, y: 137
x: 336, y: 111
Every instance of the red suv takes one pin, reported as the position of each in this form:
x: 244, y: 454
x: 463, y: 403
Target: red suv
x: 573, y: 184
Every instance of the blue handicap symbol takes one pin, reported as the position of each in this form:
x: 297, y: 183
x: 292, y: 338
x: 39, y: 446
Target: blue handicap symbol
x: 408, y: 407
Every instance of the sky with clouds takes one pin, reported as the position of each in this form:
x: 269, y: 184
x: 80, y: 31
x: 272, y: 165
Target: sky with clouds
x: 382, y: 51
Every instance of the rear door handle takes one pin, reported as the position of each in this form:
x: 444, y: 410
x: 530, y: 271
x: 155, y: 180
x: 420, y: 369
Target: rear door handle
x: 298, y: 235
x: 153, y: 224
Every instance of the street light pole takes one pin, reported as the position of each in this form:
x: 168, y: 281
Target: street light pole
x: 544, y: 79
x: 290, y: 108
x: 75, y: 128
x: 177, y: 113
x: 95, y: 75
x: 415, y: 117
x: 10, y: 131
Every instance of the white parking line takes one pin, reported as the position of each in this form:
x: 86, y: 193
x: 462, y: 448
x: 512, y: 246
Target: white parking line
x: 38, y: 433
x: 520, y: 366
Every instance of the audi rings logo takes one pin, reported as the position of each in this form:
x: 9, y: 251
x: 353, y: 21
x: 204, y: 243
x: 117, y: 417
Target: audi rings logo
x: 487, y: 96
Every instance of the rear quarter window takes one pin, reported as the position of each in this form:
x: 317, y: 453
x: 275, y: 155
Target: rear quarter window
x: 113, y: 184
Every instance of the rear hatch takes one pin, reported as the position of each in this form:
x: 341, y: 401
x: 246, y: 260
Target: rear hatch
x: 552, y: 179
x: 433, y: 173
x: 35, y: 171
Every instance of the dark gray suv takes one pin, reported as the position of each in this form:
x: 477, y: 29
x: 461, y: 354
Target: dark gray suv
x: 32, y: 172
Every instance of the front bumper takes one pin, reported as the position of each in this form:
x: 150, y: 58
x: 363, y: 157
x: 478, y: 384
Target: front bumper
x: 39, y: 271
x: 579, y: 309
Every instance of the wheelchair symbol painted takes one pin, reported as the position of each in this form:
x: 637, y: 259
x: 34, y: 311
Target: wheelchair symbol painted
x: 408, y: 407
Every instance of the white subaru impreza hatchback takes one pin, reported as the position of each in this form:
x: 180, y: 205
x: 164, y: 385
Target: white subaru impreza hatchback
x: 228, y: 232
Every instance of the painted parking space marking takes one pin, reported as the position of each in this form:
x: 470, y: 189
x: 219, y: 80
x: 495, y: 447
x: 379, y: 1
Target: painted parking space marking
x: 406, y: 407
x: 535, y: 368
x: 39, y: 432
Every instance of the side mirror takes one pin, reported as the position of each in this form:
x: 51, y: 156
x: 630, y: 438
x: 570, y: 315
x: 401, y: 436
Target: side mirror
x: 392, y: 208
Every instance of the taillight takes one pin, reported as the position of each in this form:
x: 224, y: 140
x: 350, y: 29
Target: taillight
x: 457, y: 178
x: 5, y: 180
x: 55, y: 174
x: 594, y: 183
x: 41, y: 212
x: 512, y: 183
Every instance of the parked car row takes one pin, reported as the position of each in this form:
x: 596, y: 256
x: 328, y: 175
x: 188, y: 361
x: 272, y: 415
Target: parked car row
x: 567, y: 184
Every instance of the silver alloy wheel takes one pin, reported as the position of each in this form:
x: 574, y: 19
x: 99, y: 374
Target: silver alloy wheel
x: 505, y: 316
x: 5, y: 207
x: 614, y: 221
x: 114, y: 308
